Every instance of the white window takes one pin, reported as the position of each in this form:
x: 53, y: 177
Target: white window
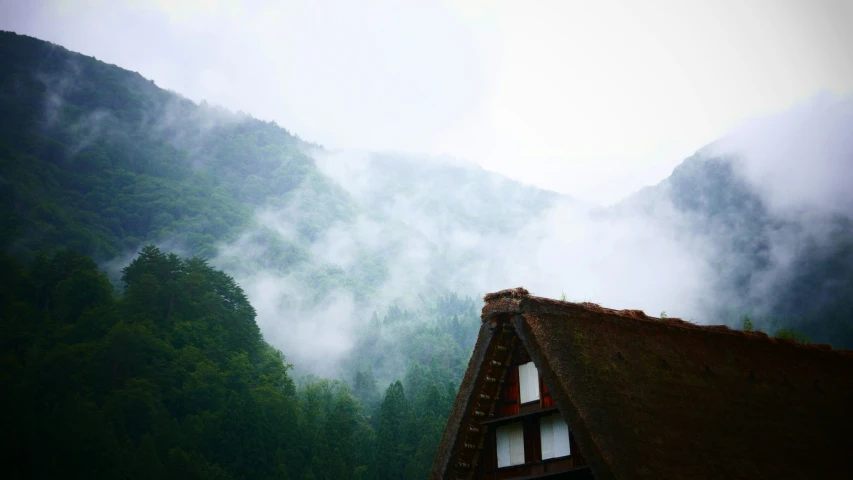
x: 528, y: 382
x: 555, y: 436
x: 510, y: 444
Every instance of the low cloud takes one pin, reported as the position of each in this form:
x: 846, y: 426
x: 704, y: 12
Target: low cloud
x: 314, y: 338
x: 800, y: 160
x: 426, y: 226
x: 550, y: 244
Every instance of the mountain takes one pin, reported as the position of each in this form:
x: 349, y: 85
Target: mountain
x: 786, y: 263
x: 166, y: 372
x: 99, y: 159
x: 122, y: 163
x: 102, y: 160
x: 745, y: 250
x: 129, y: 162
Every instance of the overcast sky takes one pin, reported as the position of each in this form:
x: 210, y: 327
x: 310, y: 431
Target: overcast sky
x: 594, y: 99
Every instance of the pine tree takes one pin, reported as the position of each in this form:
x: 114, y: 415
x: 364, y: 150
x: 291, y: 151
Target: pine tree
x: 393, y: 436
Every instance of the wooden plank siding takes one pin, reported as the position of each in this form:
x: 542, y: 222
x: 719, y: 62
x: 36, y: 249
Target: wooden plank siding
x: 508, y: 402
x: 508, y: 409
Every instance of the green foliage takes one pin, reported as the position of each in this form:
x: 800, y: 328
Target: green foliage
x: 787, y: 333
x: 99, y: 159
x: 168, y: 376
x: 792, y: 334
x: 394, y: 433
x: 172, y: 379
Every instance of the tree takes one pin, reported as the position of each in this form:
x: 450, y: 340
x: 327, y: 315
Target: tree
x: 145, y: 394
x: 365, y: 389
x: 394, y: 434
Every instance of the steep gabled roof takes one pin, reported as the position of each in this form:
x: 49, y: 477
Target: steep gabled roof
x: 664, y: 398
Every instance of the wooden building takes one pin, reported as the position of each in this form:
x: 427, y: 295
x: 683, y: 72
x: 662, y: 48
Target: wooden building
x: 563, y: 390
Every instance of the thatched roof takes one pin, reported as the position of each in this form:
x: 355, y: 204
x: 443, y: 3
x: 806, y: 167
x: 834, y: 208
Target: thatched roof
x: 652, y: 398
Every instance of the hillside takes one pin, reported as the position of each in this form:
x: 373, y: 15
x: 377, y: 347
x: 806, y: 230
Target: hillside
x: 99, y: 160
x: 785, y: 268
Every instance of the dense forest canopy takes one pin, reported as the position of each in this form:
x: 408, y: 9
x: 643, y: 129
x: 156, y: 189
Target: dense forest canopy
x: 171, y: 378
x: 192, y: 292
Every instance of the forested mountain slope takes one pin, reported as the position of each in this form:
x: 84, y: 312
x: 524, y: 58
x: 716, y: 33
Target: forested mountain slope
x: 782, y: 267
x: 786, y: 268
x: 98, y: 159
x: 171, y: 379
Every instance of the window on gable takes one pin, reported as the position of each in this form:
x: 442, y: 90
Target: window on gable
x: 528, y: 378
x: 510, y: 443
x: 555, y: 436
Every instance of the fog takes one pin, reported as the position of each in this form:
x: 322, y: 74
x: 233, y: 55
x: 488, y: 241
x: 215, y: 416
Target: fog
x: 531, y: 149
x: 562, y: 245
x: 800, y: 164
x: 799, y: 160
x: 449, y: 226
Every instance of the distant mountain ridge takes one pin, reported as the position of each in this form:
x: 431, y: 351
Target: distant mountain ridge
x: 100, y: 159
x: 786, y: 271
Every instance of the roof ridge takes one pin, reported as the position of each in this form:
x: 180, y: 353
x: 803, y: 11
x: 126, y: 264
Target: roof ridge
x: 510, y: 292
x: 520, y: 300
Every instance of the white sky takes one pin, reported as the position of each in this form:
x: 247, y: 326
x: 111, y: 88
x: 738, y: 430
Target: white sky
x: 594, y: 99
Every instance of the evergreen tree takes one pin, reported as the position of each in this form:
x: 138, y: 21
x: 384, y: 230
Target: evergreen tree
x: 394, y: 434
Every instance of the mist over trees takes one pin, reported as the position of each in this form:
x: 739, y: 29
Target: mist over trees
x: 192, y: 292
x: 171, y: 378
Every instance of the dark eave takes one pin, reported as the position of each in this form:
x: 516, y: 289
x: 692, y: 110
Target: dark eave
x: 510, y: 418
